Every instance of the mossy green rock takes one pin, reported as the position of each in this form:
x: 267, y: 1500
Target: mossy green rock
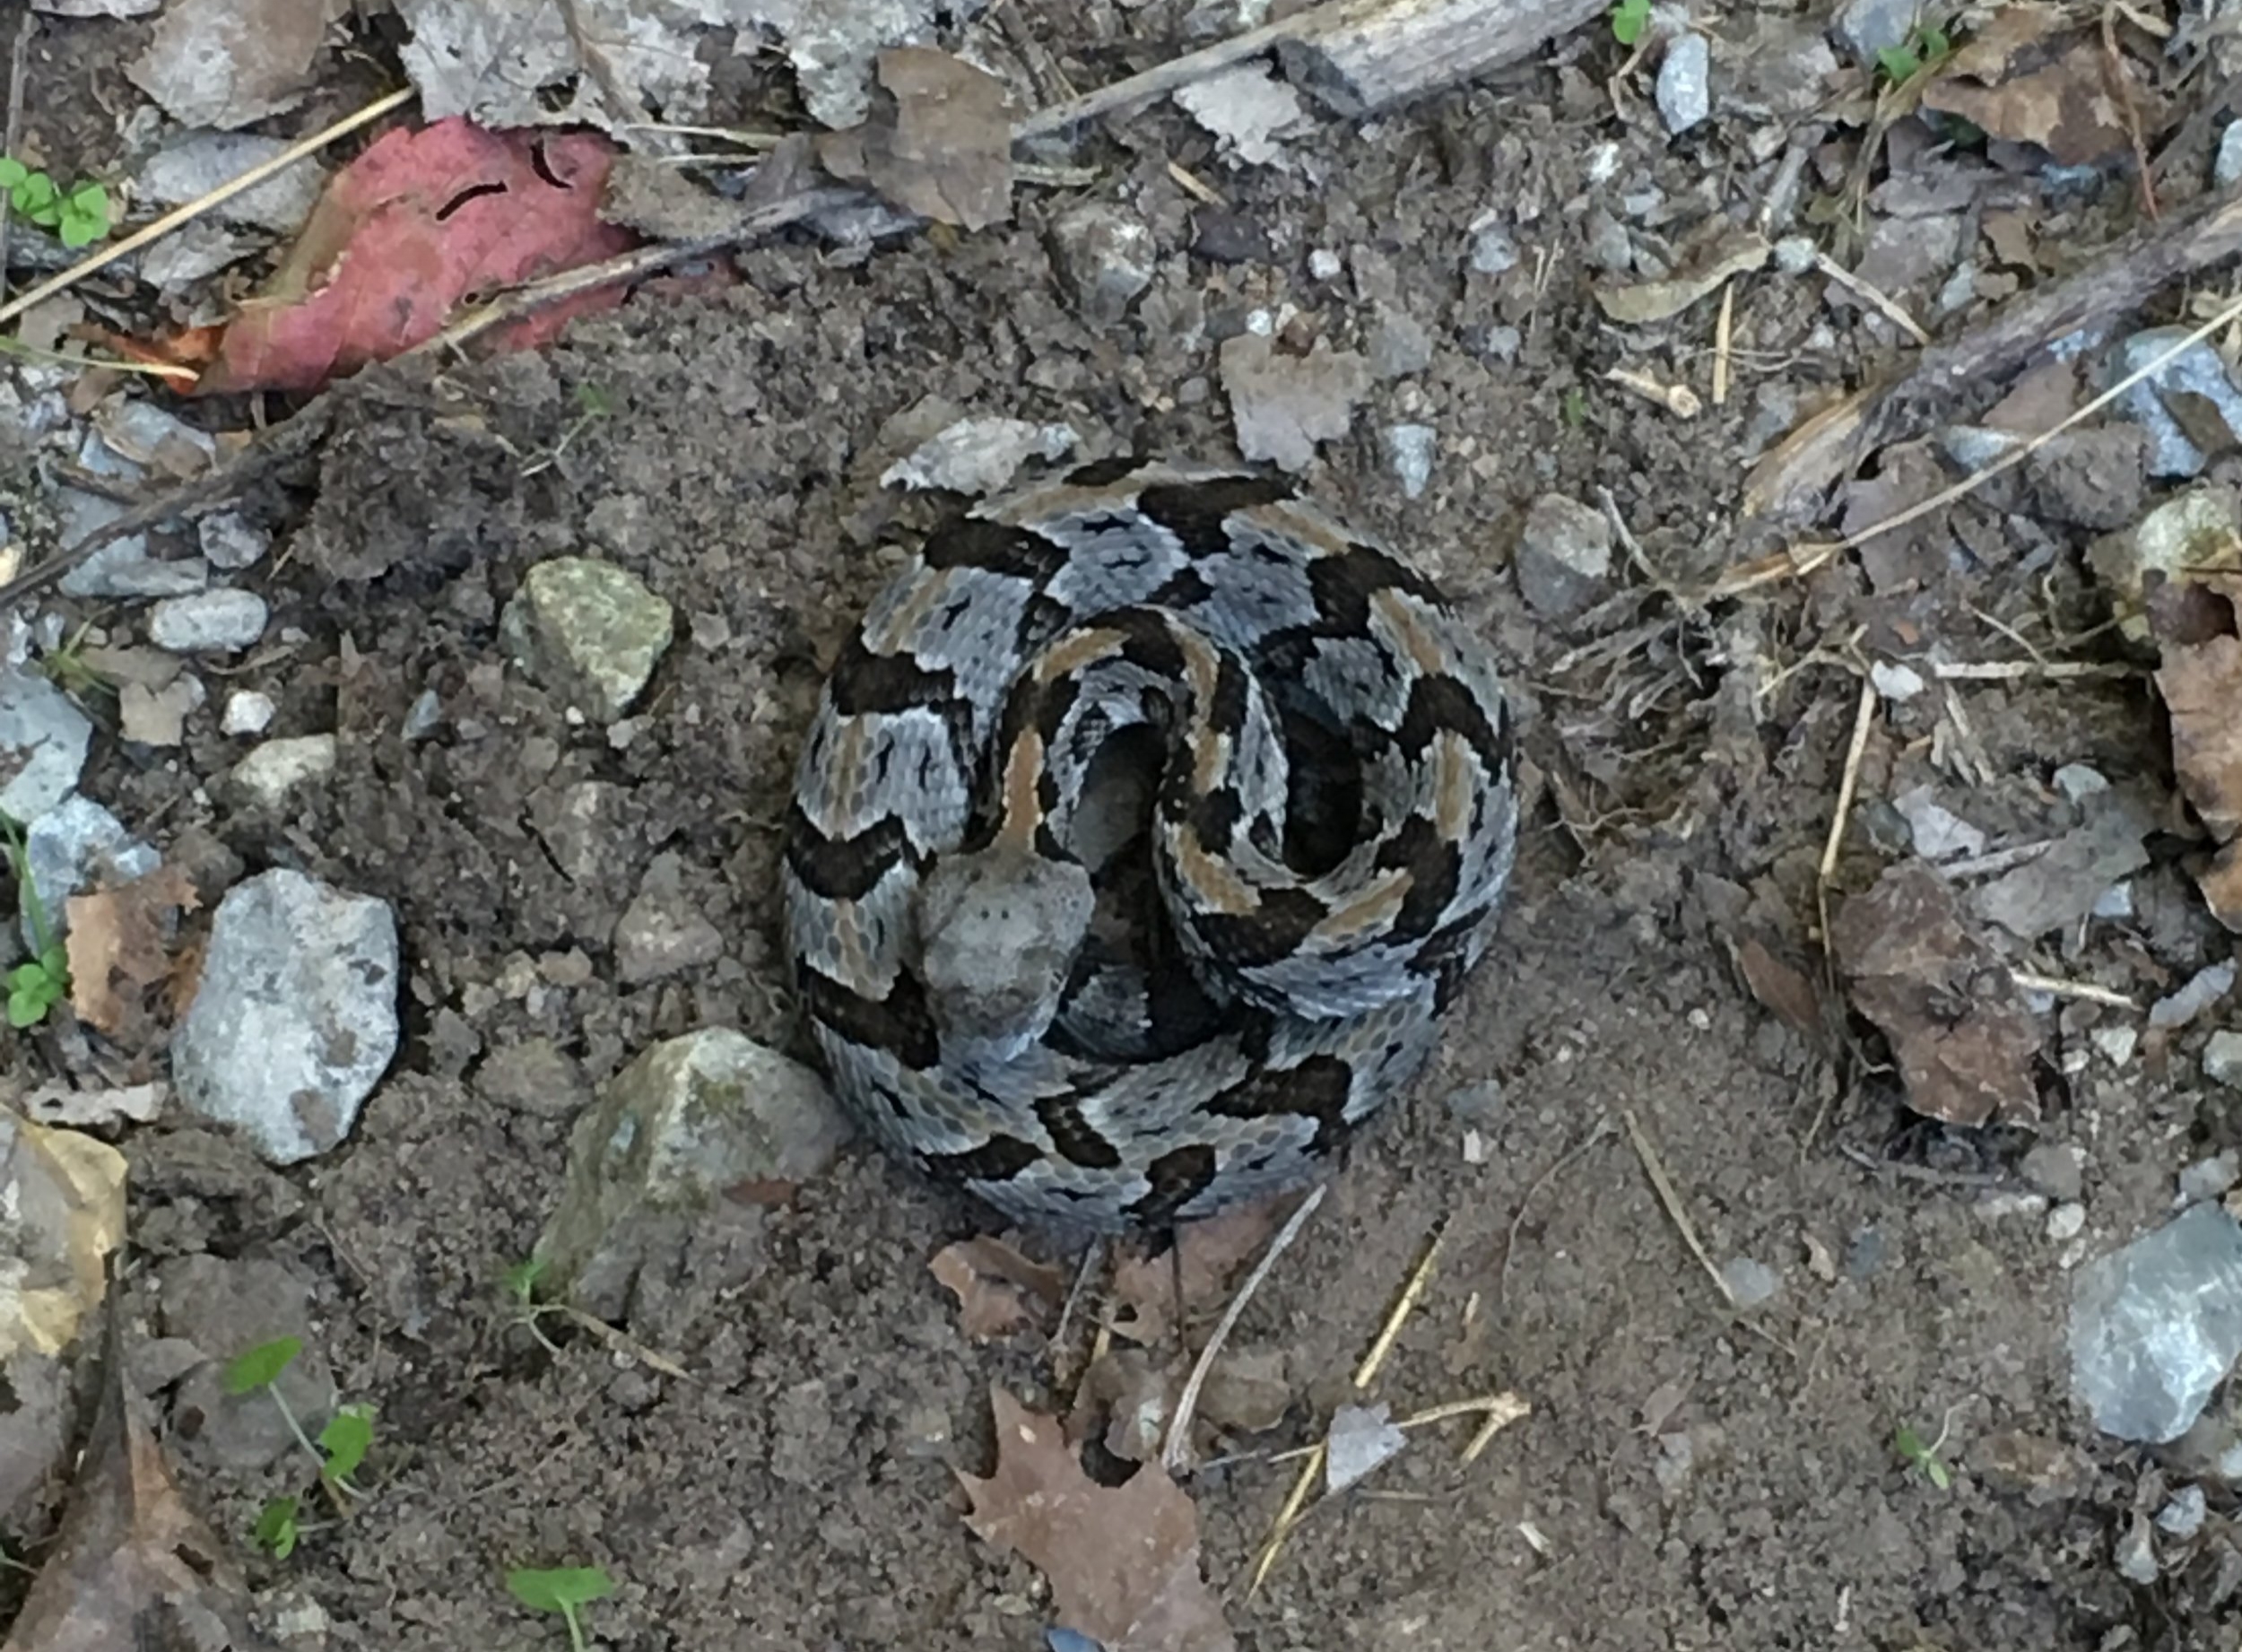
x: 587, y: 631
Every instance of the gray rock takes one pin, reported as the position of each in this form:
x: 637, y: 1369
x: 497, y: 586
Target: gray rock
x: 587, y: 631
x: 2183, y: 1516
x: 979, y: 456
x: 669, y: 1135
x: 221, y: 620
x: 1564, y: 558
x: 535, y: 1075
x: 2134, y: 1555
x: 423, y: 717
x: 247, y: 712
x: 43, y: 741
x: 296, y: 1018
x: 1684, y: 92
x: 1866, y: 27
x: 664, y: 931
x: 2225, y: 166
x: 268, y: 773
x: 2207, y: 1179
x: 2197, y: 371
x: 1106, y: 255
x: 1283, y: 404
x: 1399, y: 344
x: 1749, y: 1282
x: 2201, y: 989
x: 1494, y: 250
x: 192, y: 165
x: 231, y: 541
x: 1409, y: 452
x: 2222, y: 1058
x: 2189, y: 531
x: 2155, y: 1325
x: 122, y: 568
x: 76, y: 846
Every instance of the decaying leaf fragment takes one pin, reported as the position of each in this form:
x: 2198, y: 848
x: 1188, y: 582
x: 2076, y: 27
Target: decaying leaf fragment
x: 120, y: 946
x: 1958, y: 1026
x: 2200, y: 677
x: 2030, y: 77
x: 134, y: 1565
x: 62, y: 1213
x: 1123, y: 1561
x: 998, y: 1289
x: 937, y: 141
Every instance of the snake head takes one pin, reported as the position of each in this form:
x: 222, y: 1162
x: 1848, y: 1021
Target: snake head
x: 998, y: 929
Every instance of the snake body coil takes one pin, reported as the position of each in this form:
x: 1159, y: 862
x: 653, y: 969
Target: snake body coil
x: 1148, y: 822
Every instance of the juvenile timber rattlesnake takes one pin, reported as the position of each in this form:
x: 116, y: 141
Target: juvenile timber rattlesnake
x: 1148, y: 820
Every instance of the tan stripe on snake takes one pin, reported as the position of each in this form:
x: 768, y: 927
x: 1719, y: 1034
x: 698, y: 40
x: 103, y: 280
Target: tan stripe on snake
x: 1148, y: 822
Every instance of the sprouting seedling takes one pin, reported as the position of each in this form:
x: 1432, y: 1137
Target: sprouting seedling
x: 566, y: 1590
x: 69, y: 670
x: 592, y: 405
x: 1925, y: 48
x: 1629, y: 18
x: 42, y: 981
x: 80, y: 215
x: 1926, y: 1458
x: 339, y: 1452
x: 521, y: 1284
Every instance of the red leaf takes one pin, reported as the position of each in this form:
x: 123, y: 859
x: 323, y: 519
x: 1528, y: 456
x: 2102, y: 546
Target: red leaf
x: 403, y: 236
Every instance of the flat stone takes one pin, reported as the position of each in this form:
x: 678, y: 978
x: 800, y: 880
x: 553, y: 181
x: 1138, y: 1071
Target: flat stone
x: 1564, y: 560
x: 223, y: 620
x: 690, y: 1118
x: 587, y: 631
x: 296, y: 1017
x: 76, y: 846
x: 43, y: 741
x: 2156, y: 1326
x: 269, y: 772
x: 1106, y: 255
x: 1684, y: 90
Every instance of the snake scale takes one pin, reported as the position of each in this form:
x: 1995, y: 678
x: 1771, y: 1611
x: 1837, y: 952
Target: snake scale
x: 1148, y: 820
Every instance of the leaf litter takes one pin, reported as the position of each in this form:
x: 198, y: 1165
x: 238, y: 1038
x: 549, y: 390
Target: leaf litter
x: 999, y: 1290
x: 1123, y: 1562
x: 421, y: 222
x: 134, y: 1565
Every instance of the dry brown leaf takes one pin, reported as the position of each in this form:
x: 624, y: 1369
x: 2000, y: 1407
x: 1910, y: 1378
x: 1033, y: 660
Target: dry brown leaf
x: 1213, y: 1251
x: 1639, y: 303
x: 119, y: 945
x: 937, y: 141
x: 1959, y: 1029
x: 999, y: 1290
x: 133, y: 1566
x: 2202, y: 686
x: 1779, y: 986
x: 2025, y: 78
x: 1123, y: 1561
x: 63, y: 1193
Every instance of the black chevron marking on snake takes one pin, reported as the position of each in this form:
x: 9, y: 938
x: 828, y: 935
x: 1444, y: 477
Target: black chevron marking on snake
x: 1316, y: 1089
x: 1440, y: 705
x: 1073, y: 1137
x: 997, y: 1159
x: 1436, y: 870
x: 1176, y: 1178
x: 1198, y: 513
x: 846, y: 868
x: 1342, y: 587
x: 975, y: 543
x: 865, y: 683
x: 900, y: 1023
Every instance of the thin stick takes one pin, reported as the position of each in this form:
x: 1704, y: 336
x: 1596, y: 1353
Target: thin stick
x: 1287, y: 1516
x: 1403, y: 1306
x: 1671, y: 1200
x: 1177, y: 1445
x: 1510, y: 1246
x: 1509, y: 1406
x: 1806, y: 559
x: 2061, y: 989
x: 1724, y: 339
x: 2005, y: 670
x: 17, y: 60
x: 1864, y: 720
x: 196, y: 208
x: 1137, y: 90
x: 1869, y: 294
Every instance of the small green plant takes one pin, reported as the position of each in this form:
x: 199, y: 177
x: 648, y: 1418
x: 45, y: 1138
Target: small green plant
x: 1574, y: 407
x: 339, y: 1452
x: 1925, y: 48
x: 68, y: 669
x: 1912, y: 1452
x: 566, y: 1590
x: 1629, y: 18
x: 521, y: 1284
x: 80, y: 214
x: 40, y: 983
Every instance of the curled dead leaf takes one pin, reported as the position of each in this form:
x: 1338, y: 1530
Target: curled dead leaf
x: 998, y: 1289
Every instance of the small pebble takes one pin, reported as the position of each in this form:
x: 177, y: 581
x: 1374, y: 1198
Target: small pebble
x: 1409, y: 449
x: 1684, y: 92
x: 1894, y: 680
x: 2065, y: 1221
x: 2222, y: 1056
x: 231, y: 541
x: 220, y: 620
x: 2117, y: 1044
x: 2077, y: 782
x: 2226, y: 169
x: 2208, y: 1179
x: 274, y: 770
x: 2056, y: 1169
x: 1493, y: 250
x: 2205, y: 988
x: 2135, y: 1554
x: 1749, y: 1282
x: 2183, y: 1516
x: 1564, y: 557
x: 247, y: 712
x: 1795, y: 255
x: 1323, y: 263
x: 424, y: 714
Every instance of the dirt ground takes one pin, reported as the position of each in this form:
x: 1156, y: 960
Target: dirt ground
x: 1691, y: 1476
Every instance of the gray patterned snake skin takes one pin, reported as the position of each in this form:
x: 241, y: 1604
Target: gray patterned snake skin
x: 1148, y: 822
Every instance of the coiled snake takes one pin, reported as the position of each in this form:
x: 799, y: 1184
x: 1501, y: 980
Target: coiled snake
x: 1148, y: 820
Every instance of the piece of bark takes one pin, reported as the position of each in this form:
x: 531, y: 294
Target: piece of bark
x: 1361, y: 59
